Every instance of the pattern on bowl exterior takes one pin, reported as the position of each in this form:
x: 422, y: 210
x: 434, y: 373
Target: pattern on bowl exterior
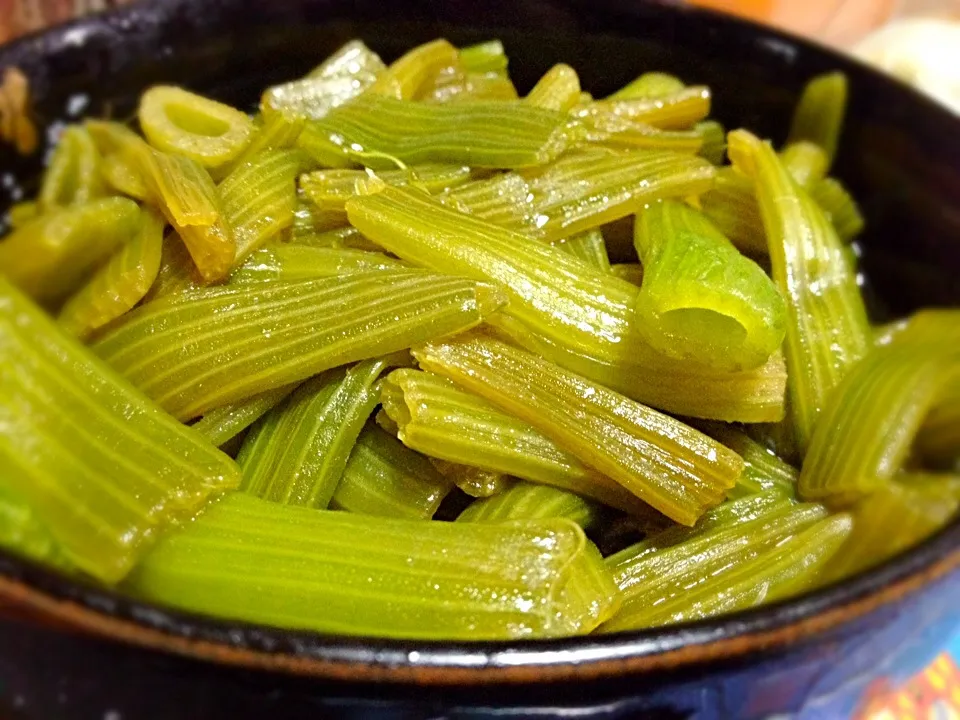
x: 817, y: 651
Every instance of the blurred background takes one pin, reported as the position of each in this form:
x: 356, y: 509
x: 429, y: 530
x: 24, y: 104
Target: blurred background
x: 838, y: 22
x: 917, y: 40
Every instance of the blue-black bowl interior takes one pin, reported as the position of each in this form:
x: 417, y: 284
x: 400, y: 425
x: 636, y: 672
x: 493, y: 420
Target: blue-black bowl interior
x: 899, y: 156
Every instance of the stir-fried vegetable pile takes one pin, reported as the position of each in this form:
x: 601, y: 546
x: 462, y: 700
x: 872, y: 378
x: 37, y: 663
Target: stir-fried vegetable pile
x: 400, y: 353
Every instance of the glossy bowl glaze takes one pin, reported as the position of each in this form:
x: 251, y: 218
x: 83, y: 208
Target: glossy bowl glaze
x: 76, y: 651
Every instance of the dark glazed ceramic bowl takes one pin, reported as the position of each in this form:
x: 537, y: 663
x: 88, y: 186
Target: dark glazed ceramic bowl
x: 72, y: 650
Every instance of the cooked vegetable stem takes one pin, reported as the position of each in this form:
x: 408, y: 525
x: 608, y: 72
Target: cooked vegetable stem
x: 339, y: 572
x: 445, y: 330
x: 827, y: 328
x: 674, y: 468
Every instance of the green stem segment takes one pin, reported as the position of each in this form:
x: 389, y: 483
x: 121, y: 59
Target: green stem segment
x: 558, y: 89
x: 379, y: 131
x: 563, y: 309
x: 105, y: 470
x: 329, y: 190
x: 175, y: 120
x: 310, y: 220
x: 296, y: 454
x: 177, y: 271
x: 762, y: 469
x: 582, y: 190
x: 898, y: 516
x: 182, y: 190
x: 348, y: 72
x: 73, y: 175
x: 292, y: 262
x: 410, y: 73
x: 939, y: 438
x: 185, y: 194
x: 344, y: 573
x: 489, y: 56
x: 549, y: 290
x: 247, y: 339
x: 339, y: 238
x: 665, y: 463
x: 714, y: 147
x: 119, y: 284
x: 20, y: 213
x: 50, y: 257
x: 678, y: 110
x: 590, y: 188
x: 383, y: 477
x: 729, y: 567
x: 818, y: 117
x: 227, y: 421
x: 839, y: 205
x: 259, y: 198
x: 22, y: 532
x: 589, y: 247
x: 869, y: 425
x: 806, y: 162
x: 455, y: 84
x: 527, y: 501
x: 439, y: 419
x: 731, y: 206
x: 701, y: 299
x: 827, y: 327
x: 277, y: 132
x: 649, y: 85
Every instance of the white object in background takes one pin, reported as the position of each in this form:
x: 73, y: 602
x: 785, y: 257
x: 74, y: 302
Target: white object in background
x: 924, y: 52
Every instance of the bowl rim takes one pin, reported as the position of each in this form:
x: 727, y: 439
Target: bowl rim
x: 45, y: 596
